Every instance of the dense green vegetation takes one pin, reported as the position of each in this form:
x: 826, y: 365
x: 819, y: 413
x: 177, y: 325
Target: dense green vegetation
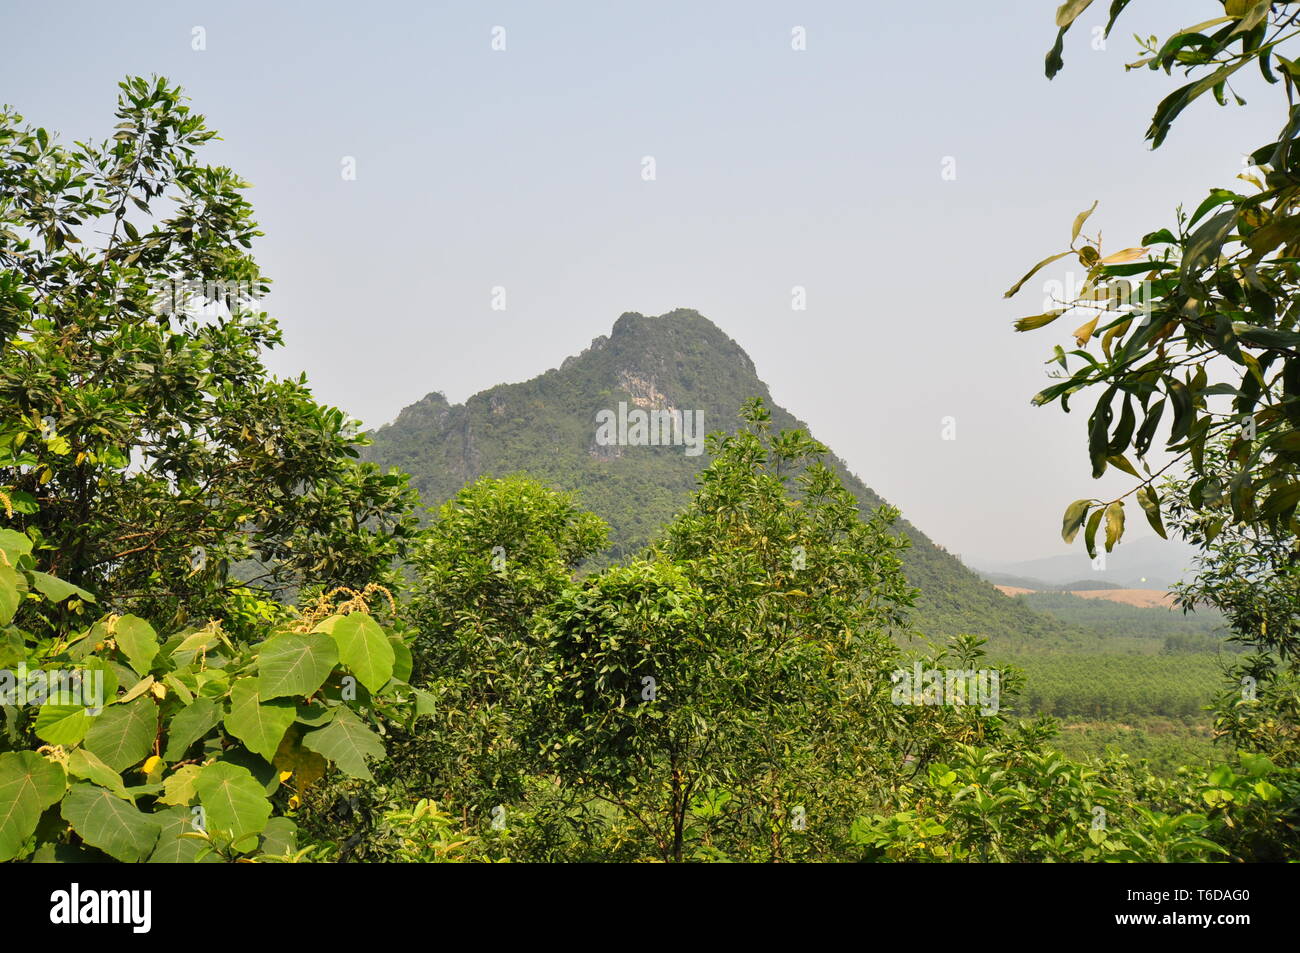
x: 1119, y: 687
x: 1167, y: 745
x: 224, y: 638
x: 1142, y: 688
x: 545, y: 427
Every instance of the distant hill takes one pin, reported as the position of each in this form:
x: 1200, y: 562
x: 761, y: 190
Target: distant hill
x: 1150, y: 563
x: 547, y: 427
x: 1007, y: 580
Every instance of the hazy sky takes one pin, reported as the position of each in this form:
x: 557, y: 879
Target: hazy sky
x: 822, y: 168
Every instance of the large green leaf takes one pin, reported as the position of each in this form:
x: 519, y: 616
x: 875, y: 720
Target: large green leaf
x: 62, y: 724
x: 363, y: 648
x: 56, y: 590
x: 173, y: 847
x: 280, y: 837
x: 179, y: 787
x: 113, y: 825
x: 292, y: 664
x: 28, y: 785
x: 189, y: 725
x: 124, y: 734
x: 234, y: 803
x: 85, y: 764
x: 14, y: 544
x: 138, y: 640
x: 12, y: 587
x: 258, y: 724
x: 348, y: 743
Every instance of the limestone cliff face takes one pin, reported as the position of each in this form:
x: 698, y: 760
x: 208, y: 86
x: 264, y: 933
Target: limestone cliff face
x: 643, y: 391
x: 677, y: 361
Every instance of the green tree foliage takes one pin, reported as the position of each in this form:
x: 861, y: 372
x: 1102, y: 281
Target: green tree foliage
x: 734, y: 691
x: 633, y: 696
x: 1122, y: 628
x: 1251, y: 573
x: 1017, y: 804
x: 1207, y: 344
x: 1167, y: 746
x: 122, y: 744
x: 497, y: 553
x: 1119, y: 687
x: 149, y: 454
x: 717, y: 679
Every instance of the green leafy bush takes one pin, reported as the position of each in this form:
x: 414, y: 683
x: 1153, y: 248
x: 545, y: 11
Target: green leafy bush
x: 187, y: 747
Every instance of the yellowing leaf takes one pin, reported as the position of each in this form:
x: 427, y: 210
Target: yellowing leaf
x: 1079, y: 220
x: 1034, y: 322
x: 1069, y: 11
x: 152, y: 769
x: 1114, y: 524
x: 1033, y: 271
x: 1127, y: 255
x: 1083, y: 333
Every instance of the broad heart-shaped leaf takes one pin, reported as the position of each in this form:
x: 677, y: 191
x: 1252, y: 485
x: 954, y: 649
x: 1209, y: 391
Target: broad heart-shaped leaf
x: 280, y: 837
x: 179, y: 788
x: 14, y: 544
x: 363, y: 647
x: 138, y: 640
x: 124, y: 734
x: 105, y: 821
x: 84, y: 764
x: 259, y: 725
x: 189, y: 725
x: 28, y: 785
x: 347, y: 742
x: 292, y: 664
x: 263, y: 773
x: 12, y: 587
x: 62, y: 724
x: 56, y: 590
x: 234, y: 803
x: 173, y: 848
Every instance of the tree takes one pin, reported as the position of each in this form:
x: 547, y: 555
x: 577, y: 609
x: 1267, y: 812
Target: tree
x: 498, y: 552
x: 1210, y: 340
x: 1250, y: 573
x: 722, y: 676
x: 145, y: 448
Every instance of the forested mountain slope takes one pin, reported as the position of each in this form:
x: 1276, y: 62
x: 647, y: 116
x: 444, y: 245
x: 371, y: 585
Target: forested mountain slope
x: 547, y: 427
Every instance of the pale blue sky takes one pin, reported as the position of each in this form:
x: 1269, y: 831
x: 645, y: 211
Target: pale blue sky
x: 522, y: 168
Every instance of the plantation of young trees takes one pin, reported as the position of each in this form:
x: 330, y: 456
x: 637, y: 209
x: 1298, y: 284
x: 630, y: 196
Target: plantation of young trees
x: 1118, y: 687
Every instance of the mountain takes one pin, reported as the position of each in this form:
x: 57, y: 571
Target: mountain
x: 547, y: 427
